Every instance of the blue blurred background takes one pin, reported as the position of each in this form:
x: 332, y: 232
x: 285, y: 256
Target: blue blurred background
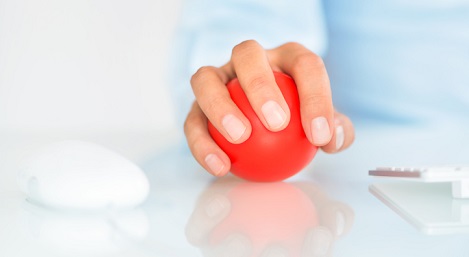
x: 390, y: 62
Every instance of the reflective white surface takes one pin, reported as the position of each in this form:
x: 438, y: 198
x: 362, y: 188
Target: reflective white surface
x: 326, y: 210
x: 430, y: 207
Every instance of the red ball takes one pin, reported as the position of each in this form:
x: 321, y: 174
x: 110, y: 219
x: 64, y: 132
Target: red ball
x: 268, y: 156
x: 255, y: 214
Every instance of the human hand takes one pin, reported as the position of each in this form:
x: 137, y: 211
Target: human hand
x: 253, y: 66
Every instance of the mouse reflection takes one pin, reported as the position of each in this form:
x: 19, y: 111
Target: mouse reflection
x: 267, y: 219
x: 87, y: 233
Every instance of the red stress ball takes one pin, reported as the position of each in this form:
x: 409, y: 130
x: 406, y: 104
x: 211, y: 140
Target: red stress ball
x: 268, y: 156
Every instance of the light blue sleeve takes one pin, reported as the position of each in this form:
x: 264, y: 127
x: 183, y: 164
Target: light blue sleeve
x: 209, y: 29
x: 400, y: 62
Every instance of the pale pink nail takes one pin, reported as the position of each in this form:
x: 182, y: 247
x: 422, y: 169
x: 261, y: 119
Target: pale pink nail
x: 233, y: 126
x: 274, y: 114
x: 339, y: 137
x: 320, y: 131
x: 217, y: 206
x: 214, y: 163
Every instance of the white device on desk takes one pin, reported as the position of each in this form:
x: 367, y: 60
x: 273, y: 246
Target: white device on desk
x: 457, y: 175
x: 82, y: 175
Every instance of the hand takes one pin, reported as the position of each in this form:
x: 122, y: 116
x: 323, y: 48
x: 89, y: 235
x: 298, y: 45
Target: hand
x: 253, y: 66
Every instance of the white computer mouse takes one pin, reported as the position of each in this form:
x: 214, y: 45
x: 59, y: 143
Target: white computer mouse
x: 81, y: 175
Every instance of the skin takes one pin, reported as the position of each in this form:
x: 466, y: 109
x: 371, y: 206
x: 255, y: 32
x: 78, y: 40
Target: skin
x: 253, y: 66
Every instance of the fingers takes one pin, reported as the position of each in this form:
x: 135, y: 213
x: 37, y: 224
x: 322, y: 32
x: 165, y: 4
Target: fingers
x: 344, y: 134
x: 310, y: 75
x: 207, y: 215
x: 318, y: 242
x: 337, y: 217
x: 251, y: 65
x: 208, y: 84
x: 236, y: 245
x: 211, y: 211
x: 207, y: 153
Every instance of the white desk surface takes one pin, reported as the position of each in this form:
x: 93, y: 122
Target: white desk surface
x: 326, y: 210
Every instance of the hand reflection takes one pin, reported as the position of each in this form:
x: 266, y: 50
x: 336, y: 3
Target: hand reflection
x: 237, y: 218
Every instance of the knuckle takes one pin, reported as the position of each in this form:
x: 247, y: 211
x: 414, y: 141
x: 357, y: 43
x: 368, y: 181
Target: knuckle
x: 308, y: 61
x: 258, y: 83
x: 317, y: 101
x: 194, y: 135
x: 241, y: 47
x: 193, y: 121
x: 189, y: 123
x: 197, y: 144
x: 292, y: 45
x: 201, y: 75
x: 215, y: 104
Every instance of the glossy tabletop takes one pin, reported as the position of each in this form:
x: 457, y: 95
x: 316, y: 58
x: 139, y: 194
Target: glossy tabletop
x: 332, y: 208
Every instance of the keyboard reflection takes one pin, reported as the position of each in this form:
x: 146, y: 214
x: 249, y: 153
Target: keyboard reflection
x: 267, y: 219
x: 429, y: 207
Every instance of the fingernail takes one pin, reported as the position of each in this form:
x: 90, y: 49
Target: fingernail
x: 339, y: 137
x: 275, y: 251
x: 321, y: 240
x: 214, y: 163
x: 274, y: 114
x: 233, y: 126
x: 237, y: 245
x: 216, y: 207
x: 340, y: 223
x: 320, y: 131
